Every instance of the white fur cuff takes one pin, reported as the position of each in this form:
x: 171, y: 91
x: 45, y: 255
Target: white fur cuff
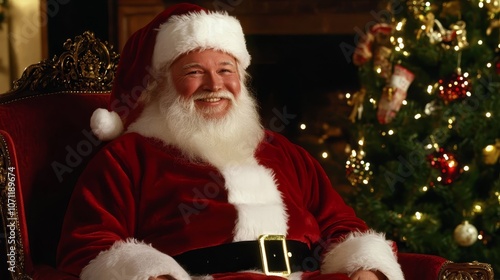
x: 132, y: 260
x: 367, y: 251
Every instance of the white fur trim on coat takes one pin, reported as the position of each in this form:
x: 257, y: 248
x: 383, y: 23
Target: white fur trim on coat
x: 106, y: 125
x: 368, y: 251
x: 199, y: 30
x: 253, y: 190
x: 132, y: 260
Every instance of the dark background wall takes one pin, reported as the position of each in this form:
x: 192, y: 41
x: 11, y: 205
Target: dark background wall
x: 289, y: 71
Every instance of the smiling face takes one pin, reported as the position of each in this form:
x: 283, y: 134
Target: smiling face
x: 210, y: 78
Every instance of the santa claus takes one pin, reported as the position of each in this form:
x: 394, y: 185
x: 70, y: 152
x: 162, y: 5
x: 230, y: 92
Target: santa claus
x: 192, y: 185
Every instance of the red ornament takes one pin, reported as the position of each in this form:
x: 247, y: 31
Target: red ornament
x: 457, y: 87
x: 447, y: 164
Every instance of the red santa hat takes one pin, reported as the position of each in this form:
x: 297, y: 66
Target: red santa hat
x: 177, y: 30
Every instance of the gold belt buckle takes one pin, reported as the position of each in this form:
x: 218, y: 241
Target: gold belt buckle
x: 263, y: 254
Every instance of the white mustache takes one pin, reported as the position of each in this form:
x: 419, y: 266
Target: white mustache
x: 220, y: 94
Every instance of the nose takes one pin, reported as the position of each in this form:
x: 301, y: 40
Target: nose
x: 212, y: 82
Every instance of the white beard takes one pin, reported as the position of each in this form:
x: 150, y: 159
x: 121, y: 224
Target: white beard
x: 222, y: 142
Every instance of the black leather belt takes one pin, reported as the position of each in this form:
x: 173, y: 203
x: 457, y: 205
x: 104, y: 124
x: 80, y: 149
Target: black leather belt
x: 272, y: 254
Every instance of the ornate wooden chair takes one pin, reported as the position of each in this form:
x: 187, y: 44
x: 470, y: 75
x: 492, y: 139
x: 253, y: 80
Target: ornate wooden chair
x: 45, y: 142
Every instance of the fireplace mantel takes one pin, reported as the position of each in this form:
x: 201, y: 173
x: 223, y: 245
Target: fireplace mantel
x: 260, y: 17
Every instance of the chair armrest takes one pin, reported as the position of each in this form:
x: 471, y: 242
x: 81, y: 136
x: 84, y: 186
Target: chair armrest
x: 420, y: 266
x: 423, y: 266
x: 471, y: 270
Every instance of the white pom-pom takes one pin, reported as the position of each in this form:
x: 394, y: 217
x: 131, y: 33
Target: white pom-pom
x: 106, y: 125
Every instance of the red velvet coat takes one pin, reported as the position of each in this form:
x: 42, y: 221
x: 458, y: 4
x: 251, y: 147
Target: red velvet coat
x: 138, y: 191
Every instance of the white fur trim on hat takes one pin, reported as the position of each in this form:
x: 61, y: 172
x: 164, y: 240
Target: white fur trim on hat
x: 132, y: 260
x: 106, y: 125
x: 199, y: 30
x: 363, y: 250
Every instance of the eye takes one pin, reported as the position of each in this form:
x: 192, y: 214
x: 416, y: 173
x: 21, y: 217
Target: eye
x: 226, y: 71
x: 193, y: 72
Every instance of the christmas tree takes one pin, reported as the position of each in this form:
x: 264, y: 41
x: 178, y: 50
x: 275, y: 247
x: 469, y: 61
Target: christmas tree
x: 424, y: 165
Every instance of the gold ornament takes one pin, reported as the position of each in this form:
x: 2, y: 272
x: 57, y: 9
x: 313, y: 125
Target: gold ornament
x: 465, y: 234
x: 357, y: 103
x: 357, y: 169
x: 439, y: 35
x: 493, y: 25
x: 491, y: 153
x: 381, y: 61
x: 455, y: 37
x: 428, y: 22
x: 461, y: 35
x: 493, y: 6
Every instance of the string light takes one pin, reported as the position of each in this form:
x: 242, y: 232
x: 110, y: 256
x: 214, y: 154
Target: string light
x: 361, y: 142
x: 430, y: 89
x: 418, y: 216
x: 399, y: 26
x: 357, y: 169
x: 450, y: 122
x: 477, y: 208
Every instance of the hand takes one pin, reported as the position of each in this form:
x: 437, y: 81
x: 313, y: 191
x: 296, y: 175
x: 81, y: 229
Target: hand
x: 368, y: 275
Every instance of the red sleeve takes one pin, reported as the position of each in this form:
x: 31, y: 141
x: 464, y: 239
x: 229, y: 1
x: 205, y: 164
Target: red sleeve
x: 334, y: 217
x: 94, y: 222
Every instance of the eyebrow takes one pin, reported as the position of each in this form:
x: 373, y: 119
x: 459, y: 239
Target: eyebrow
x: 195, y: 64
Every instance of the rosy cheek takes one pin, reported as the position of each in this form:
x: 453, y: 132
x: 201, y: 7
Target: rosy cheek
x: 186, y: 88
x: 234, y: 87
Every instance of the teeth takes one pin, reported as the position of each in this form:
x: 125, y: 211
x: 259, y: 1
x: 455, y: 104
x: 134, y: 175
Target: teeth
x: 213, y: 99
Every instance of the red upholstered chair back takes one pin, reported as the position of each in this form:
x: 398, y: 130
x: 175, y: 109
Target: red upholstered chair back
x: 45, y: 143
